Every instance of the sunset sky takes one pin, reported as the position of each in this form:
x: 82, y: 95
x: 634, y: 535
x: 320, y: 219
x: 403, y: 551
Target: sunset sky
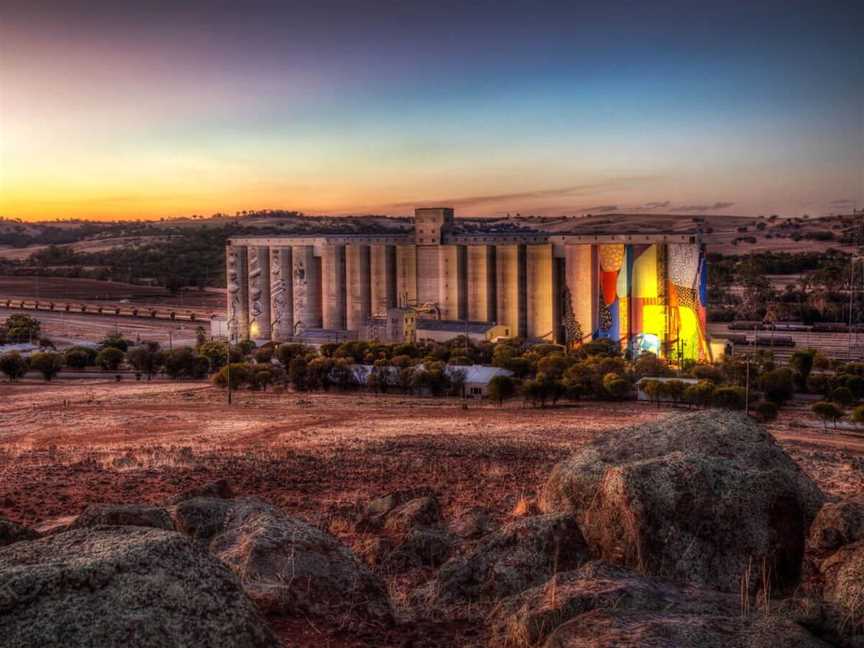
x: 181, y: 108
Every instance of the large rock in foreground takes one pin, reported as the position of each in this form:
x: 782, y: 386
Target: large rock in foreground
x: 705, y: 498
x: 611, y: 628
x: 517, y: 556
x: 124, y: 515
x: 285, y: 565
x: 128, y: 587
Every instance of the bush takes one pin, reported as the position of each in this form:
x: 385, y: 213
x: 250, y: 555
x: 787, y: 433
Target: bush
x: 501, y: 388
x: 843, y: 396
x: 857, y: 415
x: 146, y: 358
x: 827, y: 411
x: 701, y: 394
x: 239, y: 373
x: 80, y: 357
x: 48, y: 364
x: 21, y: 328
x: 115, y: 341
x: 766, y: 411
x: 297, y: 372
x: 110, y: 358
x: 14, y: 365
x: 778, y: 385
x: 729, y: 397
x: 615, y: 386
x: 708, y: 372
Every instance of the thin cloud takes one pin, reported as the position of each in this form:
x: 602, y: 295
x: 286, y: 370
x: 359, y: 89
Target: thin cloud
x: 538, y: 194
x: 703, y: 208
x: 599, y: 208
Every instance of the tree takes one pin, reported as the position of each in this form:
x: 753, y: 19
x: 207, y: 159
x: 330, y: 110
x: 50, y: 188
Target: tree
x: 285, y: 353
x: 766, y: 411
x: 79, y: 357
x: 778, y: 385
x: 648, y: 364
x: 297, y: 372
x: 14, y: 365
x: 216, y: 352
x: 802, y: 363
x: 115, y: 341
x: 729, y: 398
x: 857, y: 415
x: 146, y: 358
x: 675, y: 390
x: 110, y: 358
x: 843, y: 396
x: 21, y: 328
x: 827, y: 411
x: 708, y: 372
x: 48, y: 364
x: 615, y: 386
x: 501, y: 388
x: 701, y: 394
x: 239, y: 372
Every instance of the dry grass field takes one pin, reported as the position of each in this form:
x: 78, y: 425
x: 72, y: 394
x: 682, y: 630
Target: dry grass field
x: 319, y: 456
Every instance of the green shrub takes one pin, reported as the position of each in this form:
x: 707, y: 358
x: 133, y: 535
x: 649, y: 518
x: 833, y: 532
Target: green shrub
x: 827, y: 411
x: 843, y: 396
x: 110, y: 358
x: 701, y: 394
x: 48, y: 364
x: 766, y: 411
x: 79, y: 357
x: 14, y: 365
x: 240, y: 374
x: 501, y: 388
x: 778, y: 385
x: 729, y: 398
x: 857, y: 415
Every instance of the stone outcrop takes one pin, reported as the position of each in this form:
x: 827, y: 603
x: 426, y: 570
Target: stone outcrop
x: 218, y: 488
x: 124, y: 515
x: 123, y: 587
x: 521, y: 554
x: 12, y: 532
x: 285, y: 565
x: 611, y: 628
x: 705, y: 498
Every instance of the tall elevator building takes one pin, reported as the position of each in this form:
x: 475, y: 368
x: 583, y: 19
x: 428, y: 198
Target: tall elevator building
x: 644, y: 291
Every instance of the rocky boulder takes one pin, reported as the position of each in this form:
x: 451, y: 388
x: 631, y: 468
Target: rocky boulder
x: 285, y: 565
x: 471, y: 524
x: 842, y: 577
x: 526, y: 619
x: 837, y: 524
x: 612, y: 628
x: 219, y: 488
x: 517, y: 556
x: 11, y: 532
x: 705, y: 498
x: 417, y: 512
x: 124, y: 515
x: 124, y: 587
x: 375, y: 513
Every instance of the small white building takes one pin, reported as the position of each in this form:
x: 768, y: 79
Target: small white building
x: 477, y: 378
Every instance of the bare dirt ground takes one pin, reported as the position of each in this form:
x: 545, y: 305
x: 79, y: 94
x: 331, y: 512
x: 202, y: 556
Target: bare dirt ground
x: 319, y: 457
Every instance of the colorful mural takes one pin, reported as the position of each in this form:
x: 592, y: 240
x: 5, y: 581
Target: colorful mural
x: 651, y: 297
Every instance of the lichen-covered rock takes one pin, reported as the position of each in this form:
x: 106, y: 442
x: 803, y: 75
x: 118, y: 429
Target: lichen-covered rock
x: 11, y: 532
x: 124, y: 515
x: 842, y: 575
x: 285, y: 565
x: 417, y: 512
x: 517, y: 556
x: 701, y: 498
x: 219, y: 488
x: 837, y: 524
x: 471, y: 524
x: 420, y: 548
x: 123, y: 587
x: 201, y: 517
x: 376, y: 510
x: 611, y: 628
x: 526, y: 619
